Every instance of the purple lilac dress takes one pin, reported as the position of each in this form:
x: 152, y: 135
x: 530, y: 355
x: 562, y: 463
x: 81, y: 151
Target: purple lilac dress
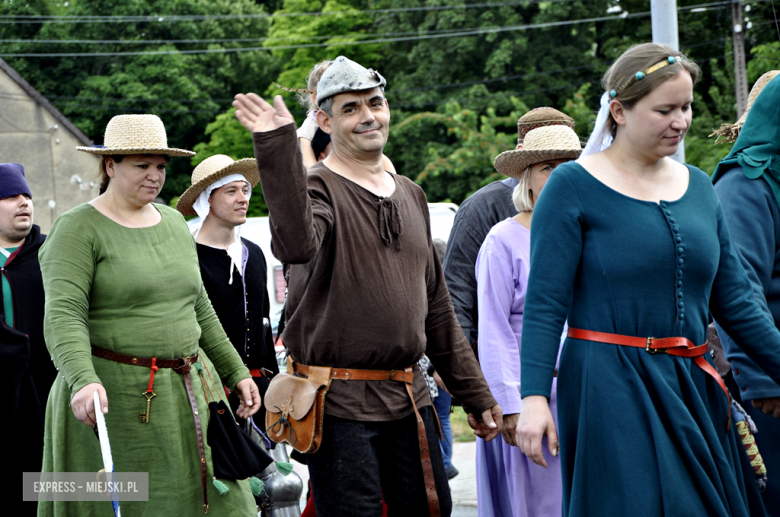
x: 508, y: 483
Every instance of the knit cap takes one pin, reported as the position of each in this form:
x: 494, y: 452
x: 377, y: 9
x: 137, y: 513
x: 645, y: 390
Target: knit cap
x: 12, y: 181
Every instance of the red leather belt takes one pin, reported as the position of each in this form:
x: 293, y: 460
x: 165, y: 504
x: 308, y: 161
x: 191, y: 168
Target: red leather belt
x: 678, y: 346
x: 261, y: 372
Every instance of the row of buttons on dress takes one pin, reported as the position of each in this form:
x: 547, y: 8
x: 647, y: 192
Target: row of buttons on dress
x: 679, y: 249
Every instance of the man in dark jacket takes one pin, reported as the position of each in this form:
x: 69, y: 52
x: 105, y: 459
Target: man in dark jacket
x: 233, y: 269
x: 474, y: 219
x: 26, y: 370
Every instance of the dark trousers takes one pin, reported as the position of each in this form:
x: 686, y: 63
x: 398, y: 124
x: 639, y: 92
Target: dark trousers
x: 359, y: 463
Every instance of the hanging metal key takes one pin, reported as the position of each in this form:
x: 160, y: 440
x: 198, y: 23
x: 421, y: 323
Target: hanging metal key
x: 144, y: 418
x: 149, y: 393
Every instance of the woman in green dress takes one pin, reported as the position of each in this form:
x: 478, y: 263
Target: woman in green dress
x: 122, y: 287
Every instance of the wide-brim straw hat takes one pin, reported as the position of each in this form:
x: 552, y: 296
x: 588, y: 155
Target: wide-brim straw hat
x: 728, y: 133
x: 540, y: 145
x: 212, y: 169
x: 135, y: 134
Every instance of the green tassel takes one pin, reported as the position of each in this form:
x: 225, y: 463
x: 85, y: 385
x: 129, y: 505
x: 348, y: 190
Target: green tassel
x: 284, y: 468
x: 256, y: 485
x: 198, y: 366
x: 221, y: 487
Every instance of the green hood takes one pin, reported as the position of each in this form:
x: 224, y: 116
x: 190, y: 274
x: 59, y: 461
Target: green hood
x: 757, y: 147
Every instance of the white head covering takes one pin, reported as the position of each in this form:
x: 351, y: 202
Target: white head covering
x: 600, y: 138
x: 202, y: 208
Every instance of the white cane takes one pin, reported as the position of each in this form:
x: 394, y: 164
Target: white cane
x: 105, y: 449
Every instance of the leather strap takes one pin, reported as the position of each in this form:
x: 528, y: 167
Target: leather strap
x: 182, y: 366
x: 406, y: 376
x: 352, y: 374
x: 199, y: 434
x: 425, y: 455
x: 677, y: 346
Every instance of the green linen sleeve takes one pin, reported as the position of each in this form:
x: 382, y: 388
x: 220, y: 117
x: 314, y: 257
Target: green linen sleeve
x: 67, y: 266
x: 216, y: 344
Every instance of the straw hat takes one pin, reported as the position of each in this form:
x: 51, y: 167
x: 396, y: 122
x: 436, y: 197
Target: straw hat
x: 730, y: 132
x: 540, y: 117
x: 539, y: 145
x: 212, y: 169
x: 135, y: 134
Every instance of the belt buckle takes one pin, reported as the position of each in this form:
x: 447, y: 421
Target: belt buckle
x: 648, y: 349
x: 654, y: 351
x: 183, y: 366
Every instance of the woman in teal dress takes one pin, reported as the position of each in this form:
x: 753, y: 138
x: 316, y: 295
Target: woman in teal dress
x: 121, y: 275
x: 635, y: 247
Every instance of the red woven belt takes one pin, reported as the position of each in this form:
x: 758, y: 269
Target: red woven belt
x: 678, y: 346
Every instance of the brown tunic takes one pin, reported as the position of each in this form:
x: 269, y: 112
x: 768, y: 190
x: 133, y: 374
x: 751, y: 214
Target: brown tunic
x: 366, y: 289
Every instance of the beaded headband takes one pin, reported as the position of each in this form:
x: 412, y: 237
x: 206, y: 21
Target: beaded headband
x: 642, y: 74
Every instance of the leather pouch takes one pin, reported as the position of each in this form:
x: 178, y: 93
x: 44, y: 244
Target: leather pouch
x: 295, y: 408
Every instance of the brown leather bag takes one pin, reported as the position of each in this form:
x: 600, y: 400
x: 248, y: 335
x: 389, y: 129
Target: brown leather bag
x: 295, y: 408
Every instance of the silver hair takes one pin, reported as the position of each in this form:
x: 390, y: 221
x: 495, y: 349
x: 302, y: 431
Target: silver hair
x: 327, y: 105
x: 521, y: 195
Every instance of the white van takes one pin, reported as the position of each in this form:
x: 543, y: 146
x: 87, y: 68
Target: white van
x: 257, y: 230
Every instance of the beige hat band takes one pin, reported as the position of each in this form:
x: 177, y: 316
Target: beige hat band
x: 140, y: 141
x: 543, y: 122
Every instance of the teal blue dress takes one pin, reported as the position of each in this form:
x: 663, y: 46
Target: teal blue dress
x: 640, y: 434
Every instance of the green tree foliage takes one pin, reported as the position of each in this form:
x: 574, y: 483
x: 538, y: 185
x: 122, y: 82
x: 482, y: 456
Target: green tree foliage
x: 459, y: 145
x: 764, y: 58
x: 701, y: 149
x: 454, y: 67
x: 467, y: 164
x: 335, y: 31
x: 185, y: 90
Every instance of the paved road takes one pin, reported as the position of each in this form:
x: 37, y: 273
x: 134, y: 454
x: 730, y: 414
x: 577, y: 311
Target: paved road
x: 463, y: 486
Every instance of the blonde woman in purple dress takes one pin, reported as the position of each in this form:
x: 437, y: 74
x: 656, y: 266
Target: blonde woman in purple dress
x: 508, y: 483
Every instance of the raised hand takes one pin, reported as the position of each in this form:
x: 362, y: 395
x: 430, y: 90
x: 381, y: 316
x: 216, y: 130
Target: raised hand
x: 258, y: 116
